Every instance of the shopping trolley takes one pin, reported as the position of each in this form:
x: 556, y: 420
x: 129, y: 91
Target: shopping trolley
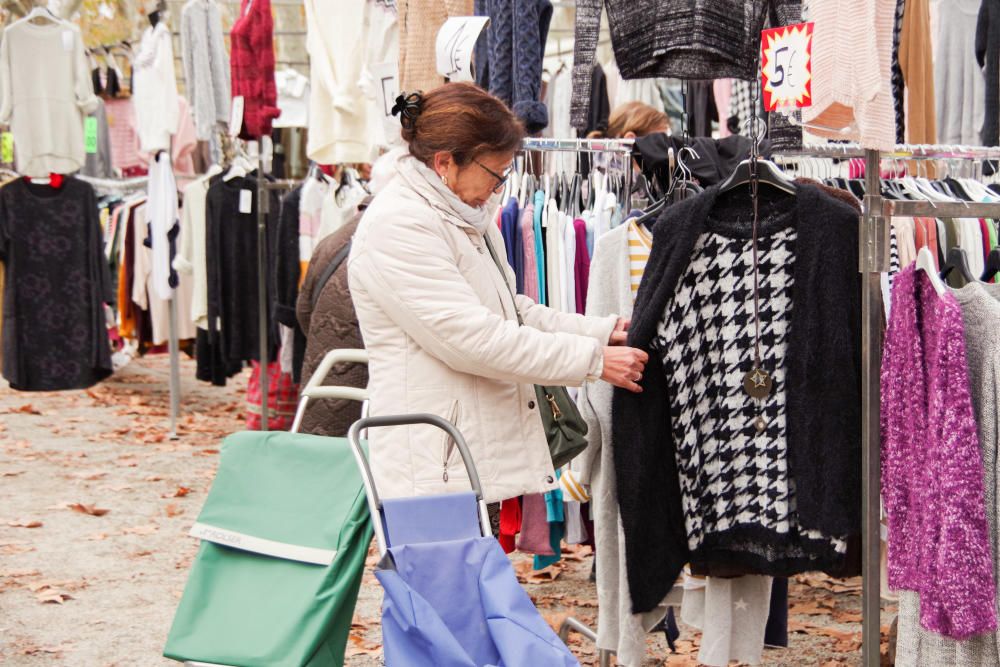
x: 451, y: 596
x: 285, y: 532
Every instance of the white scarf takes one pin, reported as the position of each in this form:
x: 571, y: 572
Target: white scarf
x: 477, y: 216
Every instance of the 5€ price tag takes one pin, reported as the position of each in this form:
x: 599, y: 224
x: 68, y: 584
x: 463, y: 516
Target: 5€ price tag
x: 786, y: 66
x: 7, y: 147
x: 90, y: 135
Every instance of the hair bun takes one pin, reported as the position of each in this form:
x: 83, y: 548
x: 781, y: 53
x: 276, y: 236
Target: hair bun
x: 408, y: 108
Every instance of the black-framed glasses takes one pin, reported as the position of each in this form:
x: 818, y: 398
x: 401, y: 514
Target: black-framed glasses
x: 501, y: 178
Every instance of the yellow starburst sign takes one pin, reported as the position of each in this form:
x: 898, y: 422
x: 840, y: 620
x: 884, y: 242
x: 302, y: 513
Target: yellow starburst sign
x: 786, y: 66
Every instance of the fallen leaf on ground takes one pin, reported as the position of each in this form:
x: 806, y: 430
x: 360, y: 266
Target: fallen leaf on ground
x: 57, y: 597
x: 25, y: 523
x: 360, y: 646
x: 142, y: 530
x: 172, y: 510
x: 205, y: 452
x: 96, y: 537
x: 88, y: 509
x: 179, y: 493
x: 154, y: 478
x: 140, y: 554
x: 27, y: 409
x: 90, y: 476
x: 19, y: 573
x: 12, y: 473
x: 35, y: 650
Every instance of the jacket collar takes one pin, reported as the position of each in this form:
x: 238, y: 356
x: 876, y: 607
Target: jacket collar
x: 423, y: 181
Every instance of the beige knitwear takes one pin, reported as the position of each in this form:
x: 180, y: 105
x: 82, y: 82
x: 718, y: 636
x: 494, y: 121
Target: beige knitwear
x: 917, y: 62
x: 419, y: 22
x: 851, y: 72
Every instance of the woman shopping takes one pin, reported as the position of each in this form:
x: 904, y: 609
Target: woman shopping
x: 440, y: 320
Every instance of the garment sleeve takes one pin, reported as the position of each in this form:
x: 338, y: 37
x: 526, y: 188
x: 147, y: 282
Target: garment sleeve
x: 982, y: 33
x: 961, y: 601
x: 188, y: 55
x: 588, y: 27
x: 213, y: 275
x: 100, y: 268
x: 86, y: 100
x: 287, y: 268
x: 6, y: 85
x: 411, y: 275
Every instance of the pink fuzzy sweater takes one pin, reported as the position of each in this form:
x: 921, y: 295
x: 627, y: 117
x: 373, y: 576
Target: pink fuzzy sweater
x: 932, y: 470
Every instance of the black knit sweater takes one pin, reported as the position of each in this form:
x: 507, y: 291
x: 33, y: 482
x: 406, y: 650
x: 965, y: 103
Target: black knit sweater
x: 823, y: 387
x: 685, y: 39
x: 988, y: 56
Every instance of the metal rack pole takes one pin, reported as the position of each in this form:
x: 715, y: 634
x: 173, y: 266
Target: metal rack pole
x: 175, y: 369
x: 873, y: 260
x: 263, y: 205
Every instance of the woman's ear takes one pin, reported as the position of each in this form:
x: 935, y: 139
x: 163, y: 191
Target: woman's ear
x: 630, y: 135
x: 443, y: 161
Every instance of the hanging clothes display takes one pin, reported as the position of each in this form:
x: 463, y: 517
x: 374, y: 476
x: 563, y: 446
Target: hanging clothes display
x: 339, y: 130
x: 231, y: 252
x: 980, y: 305
x: 852, y: 102
x: 154, y: 91
x: 98, y: 162
x: 56, y: 285
x: 419, y: 23
x: 45, y: 93
x: 958, y: 80
x: 804, y: 512
x: 917, y: 64
x: 517, y: 33
x: 252, y: 65
x: 932, y: 480
x: 206, y: 66
x: 191, y: 256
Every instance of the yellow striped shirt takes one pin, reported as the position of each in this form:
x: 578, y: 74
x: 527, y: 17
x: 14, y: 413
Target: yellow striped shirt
x: 639, y: 244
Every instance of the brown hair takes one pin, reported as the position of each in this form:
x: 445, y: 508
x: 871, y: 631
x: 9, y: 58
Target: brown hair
x: 464, y: 120
x: 636, y: 117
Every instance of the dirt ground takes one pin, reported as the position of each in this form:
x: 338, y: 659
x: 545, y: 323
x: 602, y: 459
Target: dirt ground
x: 96, y: 502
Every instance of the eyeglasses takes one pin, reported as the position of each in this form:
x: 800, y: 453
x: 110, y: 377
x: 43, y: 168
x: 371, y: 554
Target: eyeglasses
x: 501, y: 178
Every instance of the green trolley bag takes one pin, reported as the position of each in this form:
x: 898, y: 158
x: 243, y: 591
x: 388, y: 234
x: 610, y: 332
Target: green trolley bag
x: 285, y: 531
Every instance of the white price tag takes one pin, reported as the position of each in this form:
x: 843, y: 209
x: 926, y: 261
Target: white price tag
x: 456, y: 40
x: 246, y: 201
x: 236, y: 117
x: 786, y: 66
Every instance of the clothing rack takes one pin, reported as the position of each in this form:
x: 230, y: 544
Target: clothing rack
x: 117, y: 186
x: 876, y: 217
x: 620, y: 147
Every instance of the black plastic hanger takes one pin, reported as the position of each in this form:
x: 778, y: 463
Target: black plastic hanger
x: 958, y: 258
x: 992, y: 265
x: 768, y: 173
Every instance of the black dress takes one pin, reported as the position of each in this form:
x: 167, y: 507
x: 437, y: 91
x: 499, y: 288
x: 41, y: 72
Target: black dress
x: 57, y: 280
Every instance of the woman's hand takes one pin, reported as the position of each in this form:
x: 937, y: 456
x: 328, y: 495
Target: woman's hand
x: 623, y: 367
x: 620, y: 333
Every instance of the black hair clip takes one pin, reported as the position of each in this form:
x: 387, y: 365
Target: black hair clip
x: 408, y: 107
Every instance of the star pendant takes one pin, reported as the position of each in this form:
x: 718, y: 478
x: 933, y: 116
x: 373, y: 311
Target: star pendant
x: 759, y: 378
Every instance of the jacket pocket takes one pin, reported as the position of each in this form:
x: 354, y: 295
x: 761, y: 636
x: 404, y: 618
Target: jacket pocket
x: 448, y: 445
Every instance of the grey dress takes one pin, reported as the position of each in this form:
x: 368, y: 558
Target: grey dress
x: 916, y: 646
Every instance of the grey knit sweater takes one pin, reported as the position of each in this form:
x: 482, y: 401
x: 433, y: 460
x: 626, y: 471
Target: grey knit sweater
x: 206, y: 65
x: 915, y: 646
x: 686, y: 39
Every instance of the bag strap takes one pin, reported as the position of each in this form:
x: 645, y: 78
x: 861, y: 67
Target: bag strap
x: 328, y: 272
x: 503, y: 275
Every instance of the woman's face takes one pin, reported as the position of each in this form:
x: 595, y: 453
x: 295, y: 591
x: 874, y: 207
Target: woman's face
x: 476, y: 182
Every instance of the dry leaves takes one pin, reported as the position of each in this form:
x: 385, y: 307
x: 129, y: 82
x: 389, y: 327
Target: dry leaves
x: 360, y: 646
x: 154, y: 478
x: 88, y: 509
x: 26, y: 409
x: 25, y: 523
x: 142, y: 530
x: 33, y: 649
x: 87, y: 475
x: 11, y: 473
x: 179, y: 493
x: 172, y: 510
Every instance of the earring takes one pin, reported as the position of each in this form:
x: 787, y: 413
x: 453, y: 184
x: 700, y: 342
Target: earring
x: 444, y: 179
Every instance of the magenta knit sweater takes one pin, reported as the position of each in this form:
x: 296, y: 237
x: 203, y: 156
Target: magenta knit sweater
x: 932, y: 471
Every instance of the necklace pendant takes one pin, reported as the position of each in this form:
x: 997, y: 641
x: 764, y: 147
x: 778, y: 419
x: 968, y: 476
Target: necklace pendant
x: 759, y: 424
x: 757, y: 383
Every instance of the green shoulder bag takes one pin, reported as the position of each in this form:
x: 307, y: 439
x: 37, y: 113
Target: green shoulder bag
x: 564, y: 426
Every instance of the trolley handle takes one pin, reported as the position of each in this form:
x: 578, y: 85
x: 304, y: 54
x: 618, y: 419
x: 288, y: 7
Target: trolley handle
x: 410, y: 420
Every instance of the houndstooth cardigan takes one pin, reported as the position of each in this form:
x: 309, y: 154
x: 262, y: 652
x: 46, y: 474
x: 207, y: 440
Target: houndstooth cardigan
x: 823, y: 385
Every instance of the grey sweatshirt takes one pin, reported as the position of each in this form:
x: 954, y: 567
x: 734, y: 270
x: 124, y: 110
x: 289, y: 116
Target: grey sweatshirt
x: 959, y: 84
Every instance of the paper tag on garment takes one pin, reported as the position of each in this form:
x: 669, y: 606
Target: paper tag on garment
x: 246, y: 201
x: 236, y: 117
x: 7, y: 148
x: 386, y: 76
x: 456, y: 40
x: 90, y: 135
x: 67, y: 39
x: 786, y: 66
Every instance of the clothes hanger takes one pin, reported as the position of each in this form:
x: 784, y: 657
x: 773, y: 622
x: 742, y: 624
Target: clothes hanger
x: 926, y: 263
x: 40, y: 12
x: 768, y: 173
x: 958, y: 258
x: 992, y: 265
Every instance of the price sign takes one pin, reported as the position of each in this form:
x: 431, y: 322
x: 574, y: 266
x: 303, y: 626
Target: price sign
x: 786, y: 66
x: 6, y: 147
x: 90, y: 134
